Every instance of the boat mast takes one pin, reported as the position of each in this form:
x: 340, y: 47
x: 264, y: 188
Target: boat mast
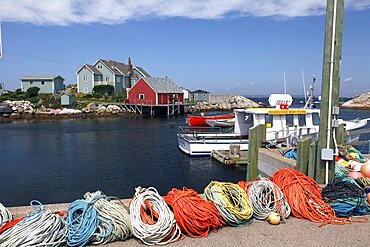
x: 284, y: 83
x: 1, y: 46
x: 304, y: 87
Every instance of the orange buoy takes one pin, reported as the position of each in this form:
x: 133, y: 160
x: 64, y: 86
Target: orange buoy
x: 365, y: 169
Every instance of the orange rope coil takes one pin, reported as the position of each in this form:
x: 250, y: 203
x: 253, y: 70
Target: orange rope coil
x: 304, y: 197
x: 194, y: 215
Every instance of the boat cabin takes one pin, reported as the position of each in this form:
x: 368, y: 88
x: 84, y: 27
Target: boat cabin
x: 281, y: 122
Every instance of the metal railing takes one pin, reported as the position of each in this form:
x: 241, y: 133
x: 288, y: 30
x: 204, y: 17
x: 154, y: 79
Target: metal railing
x: 138, y: 102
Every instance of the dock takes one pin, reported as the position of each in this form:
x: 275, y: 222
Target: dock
x: 225, y: 157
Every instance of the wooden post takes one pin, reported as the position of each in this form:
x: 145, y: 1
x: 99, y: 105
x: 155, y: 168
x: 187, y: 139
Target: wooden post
x: 330, y: 84
x: 257, y: 134
x: 303, y: 151
x: 340, y: 134
x: 312, y: 160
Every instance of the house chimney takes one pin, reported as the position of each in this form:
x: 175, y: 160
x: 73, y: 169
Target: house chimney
x: 129, y: 66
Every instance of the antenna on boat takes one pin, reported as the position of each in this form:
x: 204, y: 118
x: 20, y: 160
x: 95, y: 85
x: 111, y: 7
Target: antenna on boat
x: 304, y: 87
x: 284, y: 83
x: 310, y: 93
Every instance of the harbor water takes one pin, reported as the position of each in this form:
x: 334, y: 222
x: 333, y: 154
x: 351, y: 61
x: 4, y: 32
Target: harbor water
x: 58, y: 161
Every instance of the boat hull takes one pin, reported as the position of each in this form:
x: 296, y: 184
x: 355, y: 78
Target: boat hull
x: 204, y: 147
x: 202, y: 120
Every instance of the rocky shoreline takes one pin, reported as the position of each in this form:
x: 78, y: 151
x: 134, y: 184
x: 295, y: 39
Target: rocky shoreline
x: 26, y: 110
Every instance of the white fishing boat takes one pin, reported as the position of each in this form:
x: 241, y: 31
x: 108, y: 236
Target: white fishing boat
x: 281, y: 122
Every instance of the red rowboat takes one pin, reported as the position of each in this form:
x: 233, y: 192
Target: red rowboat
x: 201, y: 120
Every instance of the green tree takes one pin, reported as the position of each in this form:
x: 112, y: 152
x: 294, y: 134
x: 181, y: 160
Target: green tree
x: 104, y: 89
x: 32, y: 92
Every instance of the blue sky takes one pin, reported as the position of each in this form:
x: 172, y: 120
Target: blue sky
x: 226, y: 48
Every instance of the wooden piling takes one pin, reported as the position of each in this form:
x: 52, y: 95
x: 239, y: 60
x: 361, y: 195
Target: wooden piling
x: 303, y: 151
x: 257, y: 134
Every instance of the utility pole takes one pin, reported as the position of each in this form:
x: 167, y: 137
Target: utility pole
x: 330, y: 90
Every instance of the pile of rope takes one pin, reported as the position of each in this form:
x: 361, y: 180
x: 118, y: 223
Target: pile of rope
x: 195, y: 216
x: 152, y: 220
x: 345, y: 197
x: 291, y: 154
x: 5, y: 215
x: 304, y: 198
x: 84, y: 224
x: 40, y: 228
x: 115, y: 212
x: 267, y: 197
x: 231, y: 201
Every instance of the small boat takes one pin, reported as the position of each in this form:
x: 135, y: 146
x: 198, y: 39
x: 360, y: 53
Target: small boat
x: 354, y: 124
x: 201, y: 119
x: 221, y: 123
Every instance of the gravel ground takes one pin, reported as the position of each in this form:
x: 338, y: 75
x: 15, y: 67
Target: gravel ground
x: 294, y: 232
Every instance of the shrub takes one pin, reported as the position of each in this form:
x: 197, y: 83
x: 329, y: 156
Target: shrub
x: 87, y: 96
x: 96, y: 95
x: 18, y: 91
x: 104, y: 89
x: 32, y: 92
x: 34, y: 100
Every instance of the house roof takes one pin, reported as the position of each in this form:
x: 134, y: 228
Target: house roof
x: 116, y: 67
x: 93, y: 69
x: 199, y: 91
x: 163, y: 85
x: 40, y: 77
x: 142, y: 71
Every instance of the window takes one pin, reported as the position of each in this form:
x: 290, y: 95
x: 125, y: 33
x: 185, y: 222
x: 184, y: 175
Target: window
x: 141, y: 96
x: 133, y: 81
x: 100, y: 66
x: 42, y: 83
x: 85, y: 78
x: 106, y: 78
x: 289, y: 120
x: 315, y: 118
x: 302, y: 119
x: 268, y: 121
x: 31, y: 82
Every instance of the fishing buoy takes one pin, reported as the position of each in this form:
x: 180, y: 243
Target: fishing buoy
x: 365, y: 169
x: 355, y: 175
x: 274, y: 218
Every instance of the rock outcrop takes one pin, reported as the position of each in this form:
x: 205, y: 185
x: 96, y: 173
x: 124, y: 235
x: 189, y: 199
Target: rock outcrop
x: 225, y: 103
x: 361, y: 102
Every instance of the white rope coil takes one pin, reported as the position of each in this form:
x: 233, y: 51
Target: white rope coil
x: 267, y: 197
x: 117, y: 215
x: 40, y: 228
x: 165, y: 230
x: 5, y: 215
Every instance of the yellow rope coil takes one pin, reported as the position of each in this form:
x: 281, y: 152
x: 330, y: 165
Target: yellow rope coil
x: 232, y: 202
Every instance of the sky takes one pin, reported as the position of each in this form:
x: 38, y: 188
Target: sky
x: 225, y: 47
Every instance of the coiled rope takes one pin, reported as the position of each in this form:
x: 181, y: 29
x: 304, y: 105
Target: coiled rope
x: 84, y: 223
x: 231, y: 201
x: 115, y: 212
x: 345, y: 197
x: 152, y: 220
x: 267, y: 197
x: 195, y: 216
x: 5, y: 215
x: 303, y: 196
x: 40, y: 228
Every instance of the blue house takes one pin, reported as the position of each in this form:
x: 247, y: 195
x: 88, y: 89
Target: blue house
x: 47, y: 84
x: 107, y: 72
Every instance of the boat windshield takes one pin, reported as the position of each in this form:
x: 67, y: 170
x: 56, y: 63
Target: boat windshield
x: 315, y: 118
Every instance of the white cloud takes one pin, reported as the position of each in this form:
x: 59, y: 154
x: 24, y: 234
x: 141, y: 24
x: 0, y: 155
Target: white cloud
x: 67, y: 12
x: 348, y: 79
x: 252, y: 83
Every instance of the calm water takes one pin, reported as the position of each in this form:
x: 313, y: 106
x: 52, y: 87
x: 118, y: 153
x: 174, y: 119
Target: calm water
x: 58, y: 161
